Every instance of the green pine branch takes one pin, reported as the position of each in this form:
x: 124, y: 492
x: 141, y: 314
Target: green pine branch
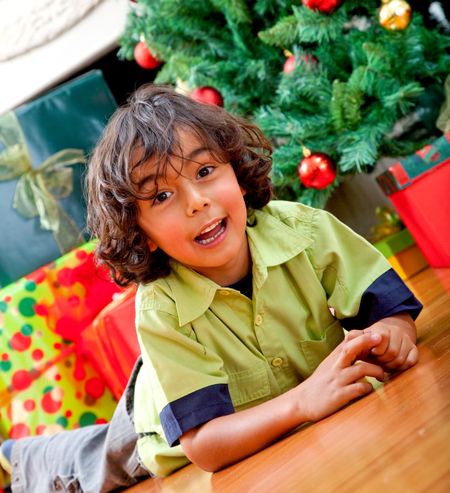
x: 365, y: 82
x: 282, y: 34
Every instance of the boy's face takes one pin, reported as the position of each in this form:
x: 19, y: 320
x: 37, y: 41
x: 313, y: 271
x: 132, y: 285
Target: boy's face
x: 197, y: 214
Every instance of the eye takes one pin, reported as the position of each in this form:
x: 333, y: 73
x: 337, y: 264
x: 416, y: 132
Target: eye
x: 205, y: 171
x: 161, y: 197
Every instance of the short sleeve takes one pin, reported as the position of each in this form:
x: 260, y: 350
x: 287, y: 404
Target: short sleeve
x: 361, y: 286
x: 189, y: 384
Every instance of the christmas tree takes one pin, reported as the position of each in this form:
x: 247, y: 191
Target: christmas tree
x: 346, y: 80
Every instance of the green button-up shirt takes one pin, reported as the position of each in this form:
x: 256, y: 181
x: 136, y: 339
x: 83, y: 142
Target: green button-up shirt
x: 309, y: 270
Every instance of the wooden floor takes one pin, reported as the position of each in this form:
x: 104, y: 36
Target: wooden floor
x: 396, y: 440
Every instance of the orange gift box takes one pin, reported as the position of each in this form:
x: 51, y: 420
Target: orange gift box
x: 110, y: 342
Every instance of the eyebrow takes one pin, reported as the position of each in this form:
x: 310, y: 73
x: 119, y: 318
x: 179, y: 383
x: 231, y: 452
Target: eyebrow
x: 196, y: 152
x: 190, y: 157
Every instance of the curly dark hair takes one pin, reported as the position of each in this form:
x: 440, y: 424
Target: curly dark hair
x: 146, y: 128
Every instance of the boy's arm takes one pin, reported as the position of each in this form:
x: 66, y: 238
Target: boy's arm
x: 397, y: 350
x: 227, y: 439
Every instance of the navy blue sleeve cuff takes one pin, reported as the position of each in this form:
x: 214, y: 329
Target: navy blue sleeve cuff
x: 386, y: 296
x: 195, y: 409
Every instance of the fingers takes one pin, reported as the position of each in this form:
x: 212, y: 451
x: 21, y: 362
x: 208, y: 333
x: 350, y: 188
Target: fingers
x: 352, y: 334
x: 411, y: 359
x: 381, y: 349
x: 354, y: 349
x: 395, y: 352
x: 394, y: 358
x: 358, y: 333
x: 355, y: 390
x: 363, y: 369
x: 389, y: 348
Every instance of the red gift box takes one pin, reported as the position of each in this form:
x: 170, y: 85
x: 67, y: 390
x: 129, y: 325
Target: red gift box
x: 110, y: 342
x: 419, y: 188
x: 44, y: 381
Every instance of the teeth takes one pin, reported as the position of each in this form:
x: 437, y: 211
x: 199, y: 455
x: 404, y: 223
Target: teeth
x: 210, y: 227
x: 209, y: 240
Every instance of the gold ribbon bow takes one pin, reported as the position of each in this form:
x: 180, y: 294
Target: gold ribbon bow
x: 39, y: 189
x: 443, y: 121
x: 389, y: 223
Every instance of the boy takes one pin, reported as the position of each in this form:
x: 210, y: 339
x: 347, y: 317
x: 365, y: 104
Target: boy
x: 240, y: 306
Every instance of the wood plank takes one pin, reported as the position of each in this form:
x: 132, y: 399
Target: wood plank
x: 396, y: 439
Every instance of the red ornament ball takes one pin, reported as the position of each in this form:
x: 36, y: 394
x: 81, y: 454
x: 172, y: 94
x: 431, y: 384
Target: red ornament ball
x: 317, y: 170
x: 208, y: 95
x: 144, y: 57
x: 323, y: 6
x: 289, y: 64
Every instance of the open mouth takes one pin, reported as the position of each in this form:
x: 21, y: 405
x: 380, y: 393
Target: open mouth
x: 208, y: 235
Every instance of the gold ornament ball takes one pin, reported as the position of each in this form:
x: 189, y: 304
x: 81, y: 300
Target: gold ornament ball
x: 395, y: 15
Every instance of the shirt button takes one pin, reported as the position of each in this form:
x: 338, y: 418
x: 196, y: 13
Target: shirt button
x: 258, y: 320
x: 277, y: 362
x: 223, y: 292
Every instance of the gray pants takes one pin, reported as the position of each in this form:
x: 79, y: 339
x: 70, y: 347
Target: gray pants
x: 92, y: 459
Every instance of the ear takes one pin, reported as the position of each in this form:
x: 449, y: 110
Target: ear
x: 152, y: 245
x: 243, y: 191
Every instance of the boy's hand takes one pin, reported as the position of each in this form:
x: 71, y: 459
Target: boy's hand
x: 337, y: 380
x: 397, y: 350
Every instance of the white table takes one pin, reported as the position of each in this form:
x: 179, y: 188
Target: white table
x: 25, y: 76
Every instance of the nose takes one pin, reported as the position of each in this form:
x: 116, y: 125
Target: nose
x: 195, y: 200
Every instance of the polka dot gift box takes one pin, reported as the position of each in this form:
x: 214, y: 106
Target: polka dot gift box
x: 46, y: 385
x: 64, y: 395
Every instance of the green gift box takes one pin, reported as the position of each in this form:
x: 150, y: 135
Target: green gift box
x: 395, y: 243
x: 43, y: 146
x: 402, y: 253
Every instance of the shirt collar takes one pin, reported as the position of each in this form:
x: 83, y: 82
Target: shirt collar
x: 270, y: 231
x: 194, y: 293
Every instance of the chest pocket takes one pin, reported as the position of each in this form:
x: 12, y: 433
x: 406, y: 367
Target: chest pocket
x: 316, y: 351
x: 249, y: 385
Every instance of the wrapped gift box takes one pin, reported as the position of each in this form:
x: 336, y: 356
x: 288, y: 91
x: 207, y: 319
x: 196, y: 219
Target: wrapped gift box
x: 419, y: 187
x: 65, y: 394
x: 42, y: 147
x: 42, y: 317
x: 110, y: 342
x: 401, y: 251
